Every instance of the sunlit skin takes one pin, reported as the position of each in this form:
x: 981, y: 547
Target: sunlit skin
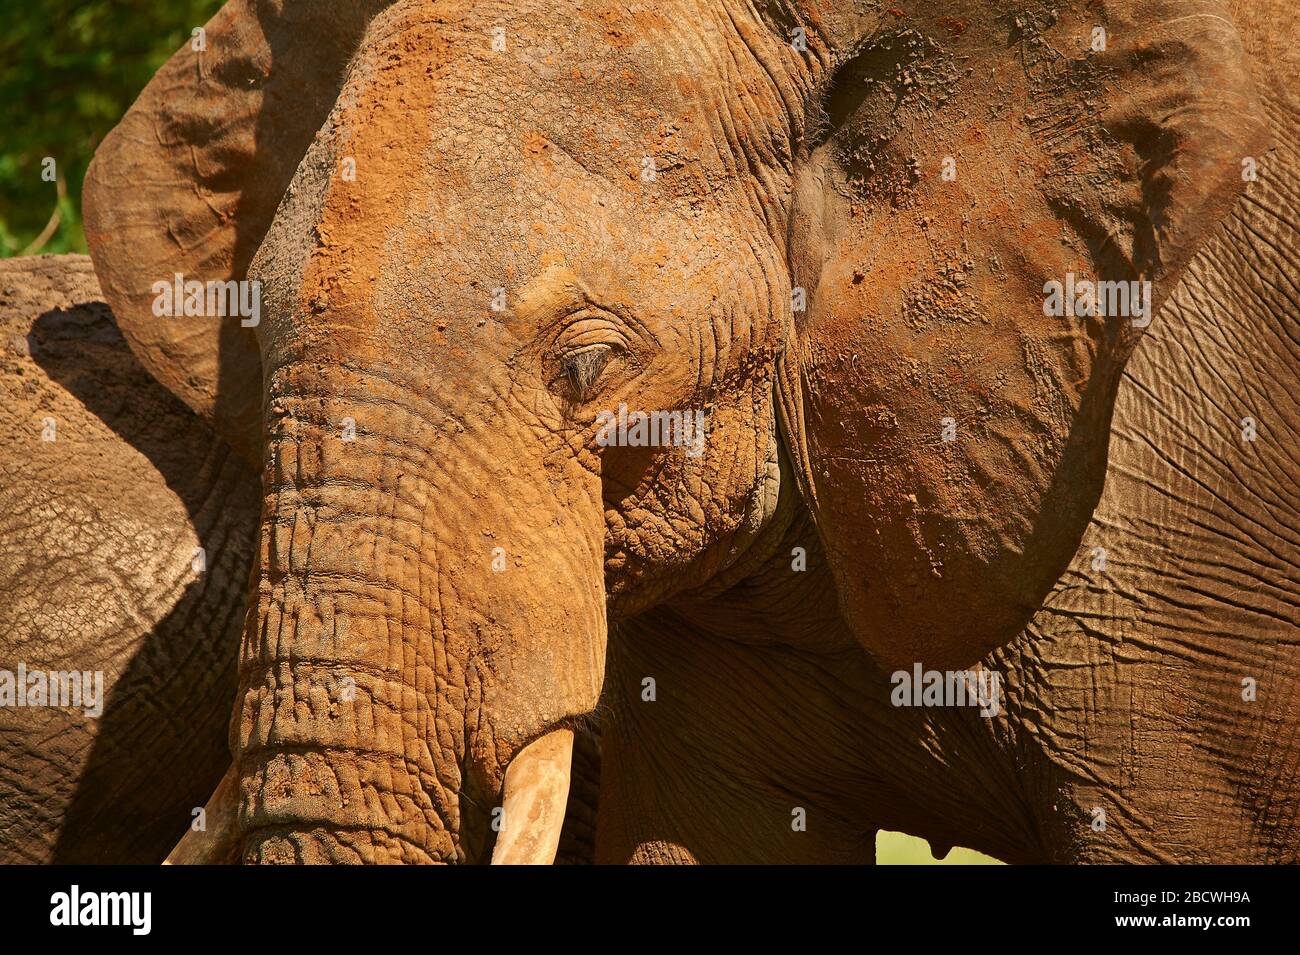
x: 479, y: 229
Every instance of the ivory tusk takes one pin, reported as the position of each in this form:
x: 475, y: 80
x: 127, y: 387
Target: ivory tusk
x: 217, y: 844
x: 534, y: 797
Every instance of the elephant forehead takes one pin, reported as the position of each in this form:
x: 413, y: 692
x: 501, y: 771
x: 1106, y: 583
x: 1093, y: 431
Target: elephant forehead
x: 668, y: 89
x: 451, y: 168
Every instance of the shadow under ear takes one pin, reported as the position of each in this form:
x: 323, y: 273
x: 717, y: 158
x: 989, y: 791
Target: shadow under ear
x: 189, y: 181
x: 160, y: 744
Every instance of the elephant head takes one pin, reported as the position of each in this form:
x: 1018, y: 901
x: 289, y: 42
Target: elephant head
x: 489, y: 236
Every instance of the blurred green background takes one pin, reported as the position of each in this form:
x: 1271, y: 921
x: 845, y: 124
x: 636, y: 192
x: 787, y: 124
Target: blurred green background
x: 68, y: 71
x: 896, y: 848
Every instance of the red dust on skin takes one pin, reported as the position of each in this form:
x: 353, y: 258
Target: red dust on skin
x: 698, y: 285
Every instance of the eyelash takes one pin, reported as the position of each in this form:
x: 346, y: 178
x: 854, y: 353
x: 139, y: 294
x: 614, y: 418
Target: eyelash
x: 583, y: 367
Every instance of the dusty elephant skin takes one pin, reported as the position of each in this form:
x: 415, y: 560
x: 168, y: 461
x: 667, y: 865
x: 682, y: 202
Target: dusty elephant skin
x: 108, y: 487
x: 1124, y: 697
x: 484, y: 232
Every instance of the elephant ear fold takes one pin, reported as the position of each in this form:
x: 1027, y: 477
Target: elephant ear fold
x: 185, y: 186
x: 947, y: 397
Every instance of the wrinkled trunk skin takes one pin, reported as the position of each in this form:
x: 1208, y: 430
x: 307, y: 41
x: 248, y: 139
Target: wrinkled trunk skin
x: 388, y: 671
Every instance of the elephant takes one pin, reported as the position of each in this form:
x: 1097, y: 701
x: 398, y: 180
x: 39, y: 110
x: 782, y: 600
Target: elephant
x: 127, y: 529
x: 158, y: 622
x: 1131, y: 733
x: 689, y: 371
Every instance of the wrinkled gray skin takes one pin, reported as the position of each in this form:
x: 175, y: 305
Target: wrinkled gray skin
x: 98, y: 531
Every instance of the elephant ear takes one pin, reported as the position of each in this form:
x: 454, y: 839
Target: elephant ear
x: 188, y: 182
x: 950, y: 435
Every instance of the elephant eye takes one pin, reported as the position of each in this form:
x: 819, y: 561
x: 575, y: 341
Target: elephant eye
x: 582, y: 367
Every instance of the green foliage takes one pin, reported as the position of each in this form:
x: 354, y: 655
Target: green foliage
x: 70, y: 70
x: 896, y: 848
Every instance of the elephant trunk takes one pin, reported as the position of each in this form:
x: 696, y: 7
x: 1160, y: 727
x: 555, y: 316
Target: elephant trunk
x: 424, y: 628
